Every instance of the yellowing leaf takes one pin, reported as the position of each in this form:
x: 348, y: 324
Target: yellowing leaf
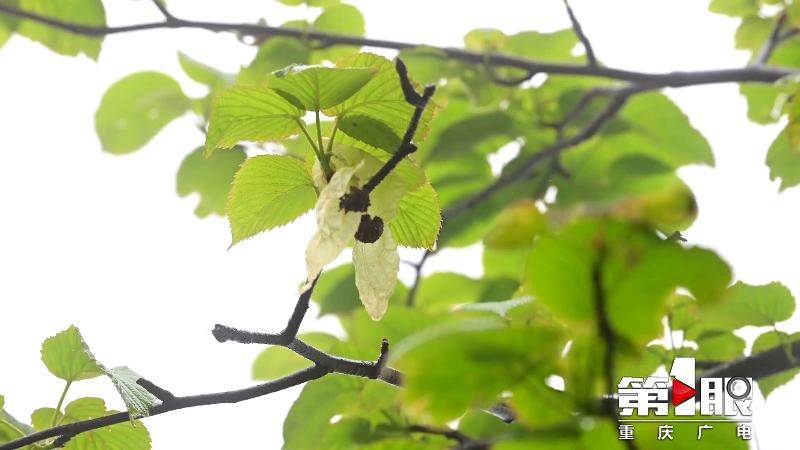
x: 253, y: 114
x: 376, y: 272
x: 269, y: 191
x: 419, y: 219
x: 335, y: 227
x: 517, y: 226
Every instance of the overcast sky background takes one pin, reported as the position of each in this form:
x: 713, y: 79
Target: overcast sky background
x: 104, y: 242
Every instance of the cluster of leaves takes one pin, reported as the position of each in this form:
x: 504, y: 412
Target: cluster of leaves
x: 66, y: 355
x: 596, y: 253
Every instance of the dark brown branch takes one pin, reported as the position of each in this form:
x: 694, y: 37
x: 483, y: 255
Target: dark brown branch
x: 412, y: 292
x: 449, y: 433
x: 614, y: 105
x: 591, y: 60
x: 295, y: 379
x: 760, y: 74
x: 774, y: 39
x: 497, y: 79
x: 158, y: 392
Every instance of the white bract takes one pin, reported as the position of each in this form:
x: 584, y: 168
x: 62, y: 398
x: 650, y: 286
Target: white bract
x: 376, y: 264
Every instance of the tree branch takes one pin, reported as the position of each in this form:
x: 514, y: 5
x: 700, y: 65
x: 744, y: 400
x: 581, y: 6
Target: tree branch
x: 163, y: 9
x: 760, y: 74
x: 774, y: 39
x: 449, y: 433
x: 295, y: 379
x: 591, y: 60
x: 412, y: 291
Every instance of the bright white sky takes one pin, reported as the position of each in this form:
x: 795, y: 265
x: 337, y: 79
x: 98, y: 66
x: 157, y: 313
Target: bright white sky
x: 104, y: 243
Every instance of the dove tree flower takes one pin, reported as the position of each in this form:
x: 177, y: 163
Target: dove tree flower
x: 371, y: 101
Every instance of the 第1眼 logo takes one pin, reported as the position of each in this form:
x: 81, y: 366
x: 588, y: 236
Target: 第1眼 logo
x: 726, y: 398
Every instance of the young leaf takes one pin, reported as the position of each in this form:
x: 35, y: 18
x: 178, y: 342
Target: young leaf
x: 135, y: 108
x: 274, y: 54
x: 210, y: 177
x: 419, y: 219
x: 381, y: 99
x: 127, y: 435
x: 314, y: 88
x: 42, y: 418
x: 82, y: 12
x: 335, y: 226
x: 376, y: 272
x: 768, y: 341
x: 269, y: 191
x: 252, y: 114
x: 138, y: 400
x: 67, y: 356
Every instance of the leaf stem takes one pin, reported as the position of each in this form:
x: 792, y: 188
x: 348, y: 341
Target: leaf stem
x: 333, y: 135
x: 60, y: 402
x: 323, y: 160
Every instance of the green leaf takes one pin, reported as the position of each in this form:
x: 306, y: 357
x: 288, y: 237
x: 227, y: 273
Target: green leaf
x: 336, y: 291
x: 135, y: 108
x: 339, y: 19
x: 768, y: 341
x: 719, y: 346
x: 79, y: 12
x: 9, y: 432
x: 484, y: 39
x: 734, y: 8
x: 412, y: 174
x: 122, y: 436
x: 314, y: 88
x: 504, y: 263
x: 274, y: 54
x: 556, y: 46
x: 252, y: 114
x: 516, y: 227
x: 783, y: 162
x: 639, y: 272
x: 500, y: 308
x: 381, y: 99
x: 418, y: 219
x: 309, y: 418
x: 67, y: 356
x: 276, y: 362
x: 488, y: 357
x: 748, y: 305
x: 269, y: 191
x: 43, y: 418
x: 442, y: 290
x: 753, y: 32
x: 793, y: 128
x: 204, y: 74
x: 468, y: 134
x: 138, y: 400
x: 763, y: 102
x: 210, y: 177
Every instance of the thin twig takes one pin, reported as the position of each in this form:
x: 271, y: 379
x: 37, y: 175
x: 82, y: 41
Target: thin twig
x: 412, y: 291
x: 760, y: 74
x: 449, y: 433
x: 163, y: 9
x: 774, y: 39
x: 591, y: 60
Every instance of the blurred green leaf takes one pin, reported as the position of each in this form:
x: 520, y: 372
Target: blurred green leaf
x: 719, y: 346
x: 783, y: 162
x: 269, y: 191
x: 314, y: 88
x: 81, y: 12
x: 747, y: 305
x: 204, y: 74
x: 336, y: 292
x: 752, y: 33
x: 210, y: 177
x: 734, y: 8
x: 340, y: 18
x: 135, y: 108
x: 768, y: 341
x: 517, y: 226
x: 252, y: 114
x: 500, y: 308
x: 67, y: 356
x: 426, y: 64
x: 275, y: 362
x: 44, y: 418
x: 487, y: 356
